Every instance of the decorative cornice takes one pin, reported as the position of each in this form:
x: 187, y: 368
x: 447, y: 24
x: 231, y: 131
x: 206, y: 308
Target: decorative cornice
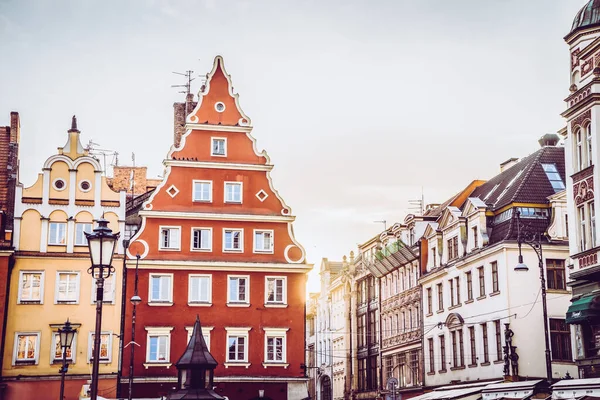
x: 584, y: 173
x: 218, y: 128
x: 216, y: 216
x: 219, y: 265
x: 217, y: 165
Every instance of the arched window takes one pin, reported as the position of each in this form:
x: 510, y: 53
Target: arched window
x: 578, y: 150
x: 588, y: 136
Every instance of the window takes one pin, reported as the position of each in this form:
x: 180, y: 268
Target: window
x: 431, y: 356
x: 433, y: 252
x: 560, y: 338
x: 233, y: 240
x: 161, y: 290
x: 429, y: 301
x: 237, y: 344
x: 473, y: 345
x: 276, y: 290
x: 219, y: 147
x: 533, y: 212
x: 233, y: 192
x: 475, y: 237
x: 80, y: 228
x: 469, y: 286
x: 67, y: 287
x: 592, y: 214
x: 263, y: 241
x: 442, y: 353
x: 486, y: 349
x: 457, y: 281
x: 554, y: 177
x: 582, y: 228
x: 202, y: 239
x: 31, y: 287
x: 27, y: 348
x: 199, y: 289
x: 238, y: 289
x: 202, y: 191
x: 578, y: 150
x: 588, y: 134
x: 57, y: 233
x: 57, y: 354
x: 158, y: 344
x: 275, y: 345
x: 440, y: 293
x: 109, y: 289
x: 451, y: 285
x: 495, y: 285
x: 169, y: 238
x: 105, y: 347
x: 452, y: 248
x: 498, y: 340
x: 454, y: 338
x: 461, y: 348
x: 481, y: 273
x: 555, y: 272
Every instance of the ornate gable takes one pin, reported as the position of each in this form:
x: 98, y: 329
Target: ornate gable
x: 449, y: 217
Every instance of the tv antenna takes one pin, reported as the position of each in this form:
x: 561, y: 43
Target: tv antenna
x: 187, y: 87
x: 95, y: 151
x: 384, y: 222
x: 417, y: 206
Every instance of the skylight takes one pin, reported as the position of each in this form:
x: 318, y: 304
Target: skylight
x: 554, y: 177
x: 487, y: 196
x: 509, y: 185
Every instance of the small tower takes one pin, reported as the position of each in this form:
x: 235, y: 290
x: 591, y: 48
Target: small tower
x: 195, y: 370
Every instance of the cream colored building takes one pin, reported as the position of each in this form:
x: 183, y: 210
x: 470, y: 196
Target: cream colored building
x: 49, y: 281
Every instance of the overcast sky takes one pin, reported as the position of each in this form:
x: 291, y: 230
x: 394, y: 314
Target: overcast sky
x: 360, y: 104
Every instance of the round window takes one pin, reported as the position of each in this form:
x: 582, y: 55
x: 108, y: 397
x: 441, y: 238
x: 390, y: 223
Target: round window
x: 85, y: 186
x: 220, y: 107
x: 59, y: 184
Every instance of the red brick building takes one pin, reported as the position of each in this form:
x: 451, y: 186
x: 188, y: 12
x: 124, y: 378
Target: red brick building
x: 9, y: 149
x: 216, y: 239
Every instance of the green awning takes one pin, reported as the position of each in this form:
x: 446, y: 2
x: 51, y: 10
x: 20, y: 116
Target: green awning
x: 583, y: 308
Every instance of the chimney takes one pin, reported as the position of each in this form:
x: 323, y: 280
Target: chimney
x: 180, y: 112
x: 15, y: 127
x: 508, y: 163
x: 549, y: 139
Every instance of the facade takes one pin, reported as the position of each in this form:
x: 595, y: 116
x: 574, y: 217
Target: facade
x: 49, y: 281
x: 474, y: 300
x: 581, y: 157
x: 216, y: 239
x: 310, y: 365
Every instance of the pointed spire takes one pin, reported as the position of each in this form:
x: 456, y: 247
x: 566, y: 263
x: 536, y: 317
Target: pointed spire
x: 74, y: 124
x: 196, y: 354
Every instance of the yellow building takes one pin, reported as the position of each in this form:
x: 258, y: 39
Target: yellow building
x: 50, y: 283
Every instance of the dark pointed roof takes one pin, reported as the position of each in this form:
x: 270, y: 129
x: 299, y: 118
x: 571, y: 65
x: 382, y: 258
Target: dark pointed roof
x: 196, y: 354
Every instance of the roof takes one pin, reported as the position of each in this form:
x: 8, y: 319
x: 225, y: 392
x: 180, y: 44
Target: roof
x: 588, y: 16
x: 574, y: 383
x: 196, y: 354
x: 457, y: 200
x: 511, y: 386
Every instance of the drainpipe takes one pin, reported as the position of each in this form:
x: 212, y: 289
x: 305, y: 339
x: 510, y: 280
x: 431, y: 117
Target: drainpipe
x: 422, y: 243
x: 122, y: 330
x: 380, y: 336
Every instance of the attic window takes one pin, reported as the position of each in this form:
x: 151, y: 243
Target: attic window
x: 554, y: 177
x: 219, y: 107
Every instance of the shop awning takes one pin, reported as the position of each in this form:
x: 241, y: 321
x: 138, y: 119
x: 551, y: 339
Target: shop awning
x: 583, y: 308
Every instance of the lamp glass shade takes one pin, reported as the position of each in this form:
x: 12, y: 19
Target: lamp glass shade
x: 102, y: 243
x: 66, y: 334
x: 521, y: 267
x: 135, y: 300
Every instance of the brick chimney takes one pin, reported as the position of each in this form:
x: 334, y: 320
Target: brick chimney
x: 180, y: 112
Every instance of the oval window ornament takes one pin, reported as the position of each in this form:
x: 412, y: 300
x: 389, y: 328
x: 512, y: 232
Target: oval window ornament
x: 219, y: 106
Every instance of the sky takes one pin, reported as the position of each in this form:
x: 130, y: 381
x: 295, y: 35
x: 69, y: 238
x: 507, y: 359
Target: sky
x: 361, y: 105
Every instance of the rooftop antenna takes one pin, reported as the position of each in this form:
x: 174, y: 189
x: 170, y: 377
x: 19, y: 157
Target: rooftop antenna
x: 187, y: 86
x: 133, y: 158
x: 384, y: 222
x: 417, y: 206
x: 96, y: 152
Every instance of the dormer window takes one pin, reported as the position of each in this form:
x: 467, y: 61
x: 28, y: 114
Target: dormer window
x: 452, y: 248
x: 475, y: 237
x: 219, y: 147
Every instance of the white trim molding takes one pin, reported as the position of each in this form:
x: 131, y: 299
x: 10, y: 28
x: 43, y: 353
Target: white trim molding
x: 215, y: 216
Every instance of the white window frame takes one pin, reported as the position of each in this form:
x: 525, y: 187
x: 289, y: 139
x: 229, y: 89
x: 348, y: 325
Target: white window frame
x: 237, y: 332
x: 233, y: 250
x: 262, y: 231
x: 238, y: 303
x: 109, y: 347
x: 109, y: 297
x: 20, y: 299
x: 79, y: 224
x: 36, y: 358
x: 212, y: 142
x: 77, y: 287
x: 233, y: 183
x: 210, y: 191
x: 582, y: 227
x: 160, y: 241
x: 588, y: 140
x: 51, y: 242
x: 196, y: 228
x: 273, y: 333
x: 206, y: 331
x: 160, y: 302
x: 53, y: 358
x: 579, y: 153
x: 282, y: 303
x: 159, y: 331
x: 192, y: 302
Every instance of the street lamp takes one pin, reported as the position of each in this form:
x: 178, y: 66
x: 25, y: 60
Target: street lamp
x: 66, y: 335
x: 101, y: 243
x: 534, y: 240
x: 135, y: 300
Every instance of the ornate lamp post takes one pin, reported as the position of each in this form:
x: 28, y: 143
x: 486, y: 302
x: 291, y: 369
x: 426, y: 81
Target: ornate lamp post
x: 66, y: 335
x: 135, y: 300
x: 534, y: 240
x: 101, y: 243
